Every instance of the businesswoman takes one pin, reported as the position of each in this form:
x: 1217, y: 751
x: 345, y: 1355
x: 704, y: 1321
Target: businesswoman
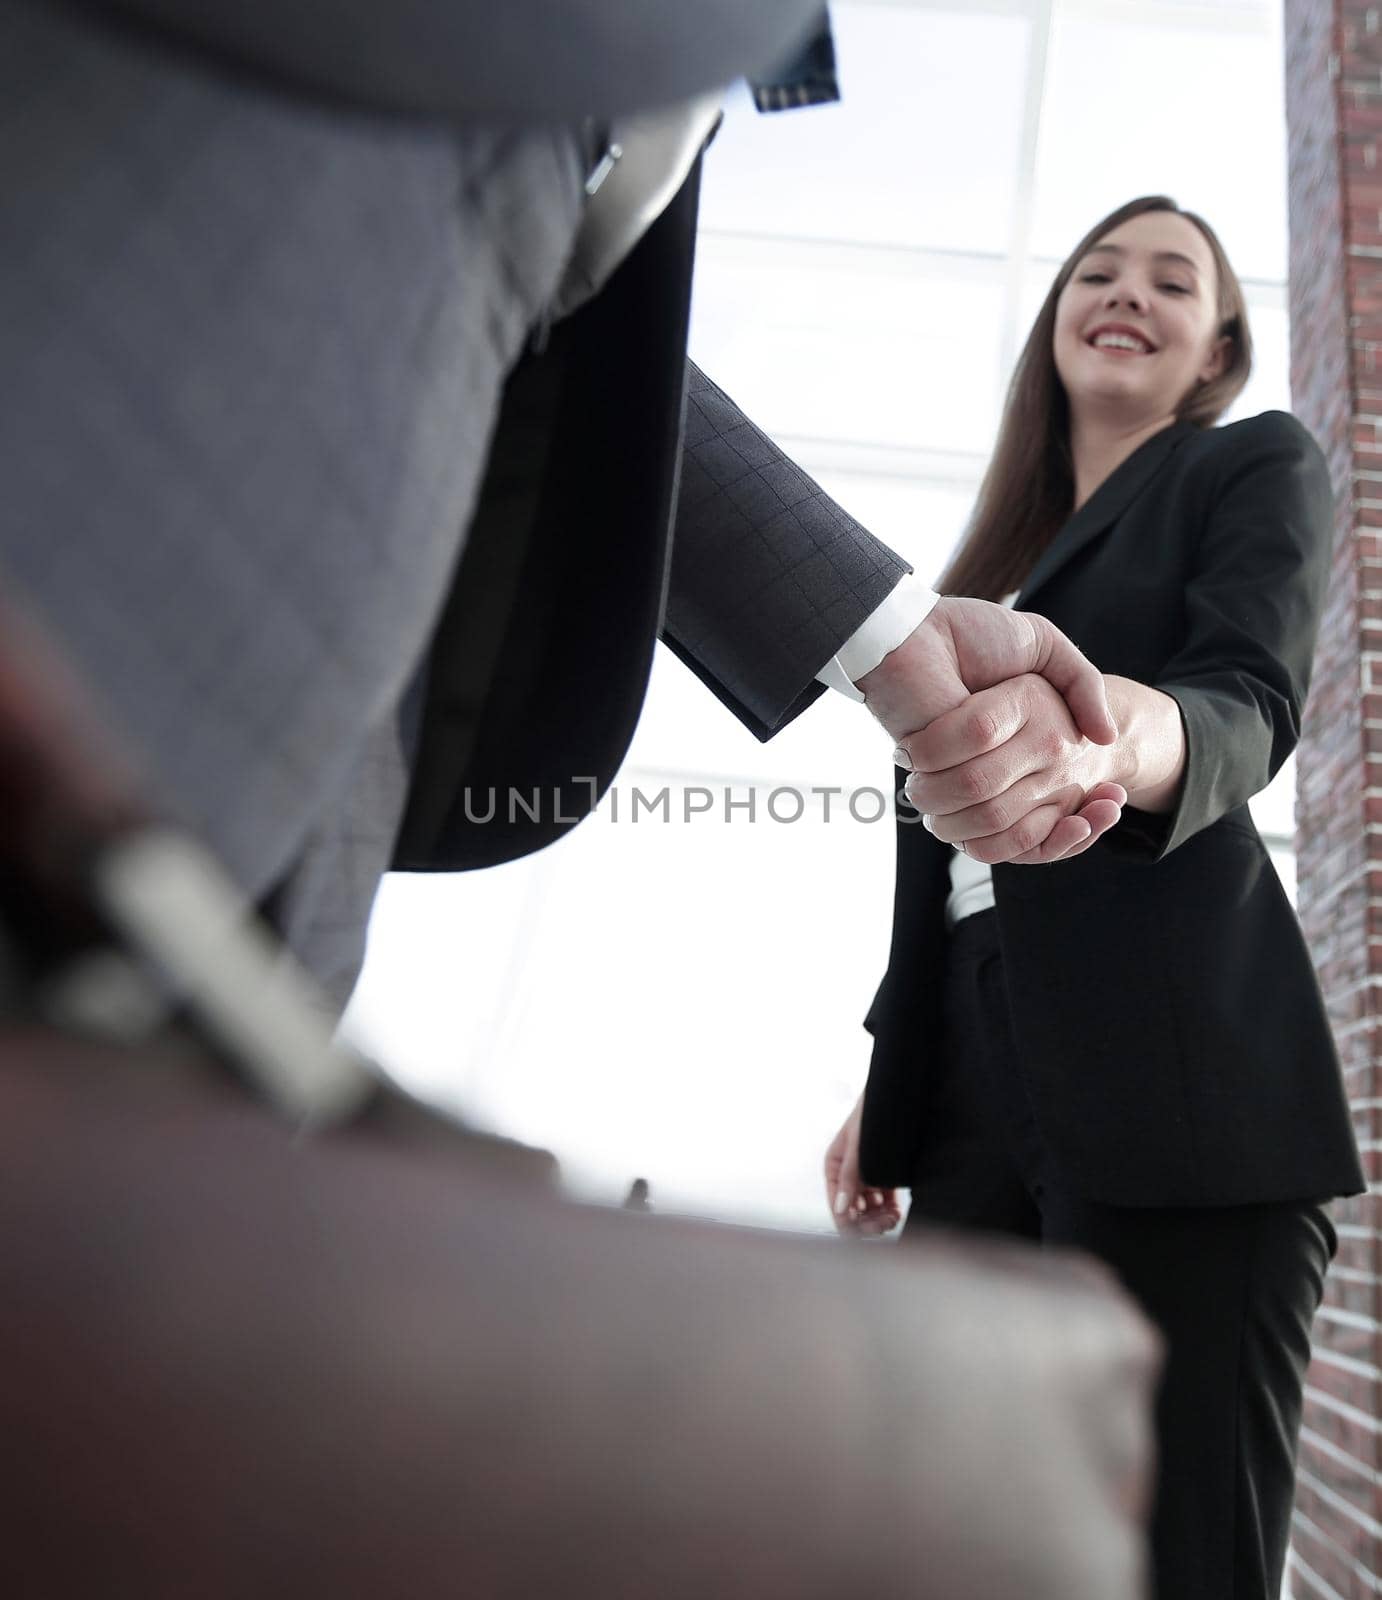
x: 1127, y: 1052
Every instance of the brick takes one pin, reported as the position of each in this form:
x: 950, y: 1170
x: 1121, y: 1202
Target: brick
x: 1335, y: 129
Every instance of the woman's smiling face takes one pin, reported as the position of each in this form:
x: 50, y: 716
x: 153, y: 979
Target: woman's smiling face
x: 1137, y: 324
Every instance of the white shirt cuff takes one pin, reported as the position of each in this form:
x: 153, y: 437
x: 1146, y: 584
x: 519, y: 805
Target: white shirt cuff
x: 902, y: 611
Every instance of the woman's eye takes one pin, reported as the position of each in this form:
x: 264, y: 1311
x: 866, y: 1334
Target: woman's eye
x: 1175, y: 288
x: 1094, y: 277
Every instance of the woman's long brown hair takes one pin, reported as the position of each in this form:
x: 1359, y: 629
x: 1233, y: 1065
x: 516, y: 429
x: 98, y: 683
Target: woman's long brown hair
x: 1028, y: 491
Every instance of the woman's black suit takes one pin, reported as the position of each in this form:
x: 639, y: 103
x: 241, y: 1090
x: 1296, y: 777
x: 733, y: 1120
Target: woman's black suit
x: 1130, y: 1053
x: 1172, y: 1032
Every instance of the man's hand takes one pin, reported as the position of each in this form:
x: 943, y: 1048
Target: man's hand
x: 998, y: 774
x: 965, y: 646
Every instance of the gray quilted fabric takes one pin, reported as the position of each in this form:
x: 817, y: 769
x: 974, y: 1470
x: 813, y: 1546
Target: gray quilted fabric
x: 252, y: 352
x: 769, y: 575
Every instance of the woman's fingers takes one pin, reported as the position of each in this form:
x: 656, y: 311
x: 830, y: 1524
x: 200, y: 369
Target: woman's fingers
x: 992, y: 832
x: 994, y: 817
x: 857, y: 1209
x: 1103, y: 808
x: 1068, y: 838
x: 1028, y: 835
x: 876, y: 1211
x: 842, y: 1172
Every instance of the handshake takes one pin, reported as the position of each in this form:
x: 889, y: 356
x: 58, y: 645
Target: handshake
x: 1007, y: 731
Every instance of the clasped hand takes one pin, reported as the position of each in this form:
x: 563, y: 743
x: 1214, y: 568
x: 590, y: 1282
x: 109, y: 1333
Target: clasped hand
x: 1014, y: 752
x: 1009, y: 776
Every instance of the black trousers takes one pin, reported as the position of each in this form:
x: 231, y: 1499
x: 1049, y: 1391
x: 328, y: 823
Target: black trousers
x: 1233, y: 1290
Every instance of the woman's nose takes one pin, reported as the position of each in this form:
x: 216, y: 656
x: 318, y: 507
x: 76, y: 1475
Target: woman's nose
x: 1126, y: 293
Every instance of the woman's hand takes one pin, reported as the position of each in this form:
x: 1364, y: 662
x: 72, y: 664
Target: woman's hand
x: 1002, y: 774
x: 858, y: 1212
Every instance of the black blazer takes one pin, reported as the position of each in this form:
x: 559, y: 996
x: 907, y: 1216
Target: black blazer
x: 1166, y: 1010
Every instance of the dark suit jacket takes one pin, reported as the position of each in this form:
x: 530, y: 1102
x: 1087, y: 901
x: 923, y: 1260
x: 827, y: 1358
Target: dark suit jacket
x: 539, y: 665
x: 537, y: 671
x: 1166, y: 1010
x: 626, y: 496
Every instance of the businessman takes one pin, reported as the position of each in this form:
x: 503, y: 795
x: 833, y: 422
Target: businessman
x: 279, y: 345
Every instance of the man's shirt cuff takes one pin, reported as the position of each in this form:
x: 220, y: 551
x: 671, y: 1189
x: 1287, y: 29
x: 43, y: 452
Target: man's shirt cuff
x: 906, y: 607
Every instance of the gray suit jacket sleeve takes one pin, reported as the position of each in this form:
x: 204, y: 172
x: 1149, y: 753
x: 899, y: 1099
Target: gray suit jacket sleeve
x: 769, y: 576
x: 547, y: 60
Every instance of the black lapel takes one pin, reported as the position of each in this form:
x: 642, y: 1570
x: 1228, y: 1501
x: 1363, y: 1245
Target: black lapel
x: 1104, y: 507
x: 538, y: 669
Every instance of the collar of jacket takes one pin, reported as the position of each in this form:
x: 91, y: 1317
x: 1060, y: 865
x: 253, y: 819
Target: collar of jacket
x: 1104, y: 507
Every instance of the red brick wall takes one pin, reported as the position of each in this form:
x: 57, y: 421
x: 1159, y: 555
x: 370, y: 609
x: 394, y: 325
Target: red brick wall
x: 1334, y: 115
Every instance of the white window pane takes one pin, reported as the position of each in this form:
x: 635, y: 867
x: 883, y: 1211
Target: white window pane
x: 633, y: 1043
x: 685, y: 732
x: 1274, y: 810
x: 880, y: 167
x: 921, y: 521
x: 1285, y: 863
x: 1134, y: 108
x: 1036, y: 281
x: 1269, y: 387
x: 817, y: 345
x: 442, y: 946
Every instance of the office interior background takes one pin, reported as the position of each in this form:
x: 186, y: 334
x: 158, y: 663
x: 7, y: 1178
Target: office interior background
x: 677, y: 993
